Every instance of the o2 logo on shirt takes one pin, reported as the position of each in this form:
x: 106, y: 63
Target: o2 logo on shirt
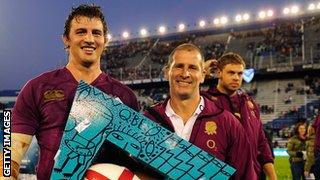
x: 211, y: 144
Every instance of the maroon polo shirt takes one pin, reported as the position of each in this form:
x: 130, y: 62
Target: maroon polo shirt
x: 43, y: 105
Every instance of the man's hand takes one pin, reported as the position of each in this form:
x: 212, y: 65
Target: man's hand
x: 14, y: 170
x: 210, y: 67
x: 270, y: 171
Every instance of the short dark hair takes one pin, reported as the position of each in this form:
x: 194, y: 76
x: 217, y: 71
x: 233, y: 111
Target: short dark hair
x: 185, y: 46
x: 87, y: 10
x: 230, y: 58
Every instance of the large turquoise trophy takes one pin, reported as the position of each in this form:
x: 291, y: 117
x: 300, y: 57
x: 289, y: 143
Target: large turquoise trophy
x: 96, y: 117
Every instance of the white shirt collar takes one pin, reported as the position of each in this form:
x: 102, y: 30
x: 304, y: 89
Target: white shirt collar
x: 170, y: 112
x: 182, y: 129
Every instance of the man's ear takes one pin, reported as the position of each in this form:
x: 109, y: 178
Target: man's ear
x: 204, y: 72
x: 65, y: 42
x: 218, y: 73
x: 166, y: 72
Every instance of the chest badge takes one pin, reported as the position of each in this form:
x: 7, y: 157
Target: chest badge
x: 211, y: 128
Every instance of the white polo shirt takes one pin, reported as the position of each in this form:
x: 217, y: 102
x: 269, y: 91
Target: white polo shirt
x: 183, y: 130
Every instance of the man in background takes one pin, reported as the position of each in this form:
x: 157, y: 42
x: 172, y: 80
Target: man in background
x: 227, y: 94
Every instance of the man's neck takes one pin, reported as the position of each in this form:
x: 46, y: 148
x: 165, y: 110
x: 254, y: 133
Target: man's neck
x: 87, y: 74
x: 224, y: 91
x: 185, y: 108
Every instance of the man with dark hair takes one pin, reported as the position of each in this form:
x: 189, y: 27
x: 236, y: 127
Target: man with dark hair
x: 44, y: 103
x: 228, y: 95
x: 197, y: 119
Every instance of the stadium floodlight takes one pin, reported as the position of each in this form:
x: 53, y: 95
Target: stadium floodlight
x: 311, y: 7
x: 238, y: 18
x: 125, y: 34
x: 286, y: 11
x: 223, y: 20
x: 181, y: 27
x: 202, y: 23
x: 318, y: 6
x: 162, y: 29
x: 262, y: 14
x: 246, y: 16
x: 294, y: 9
x: 216, y: 21
x: 143, y: 32
x: 109, y: 36
x: 270, y: 13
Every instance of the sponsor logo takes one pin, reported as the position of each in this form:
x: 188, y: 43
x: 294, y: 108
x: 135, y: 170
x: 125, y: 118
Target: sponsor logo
x: 51, y: 95
x: 211, y: 144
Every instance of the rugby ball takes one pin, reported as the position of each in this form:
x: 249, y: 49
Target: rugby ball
x: 106, y: 171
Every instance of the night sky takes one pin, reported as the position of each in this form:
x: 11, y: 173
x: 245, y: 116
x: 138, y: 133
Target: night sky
x: 30, y: 31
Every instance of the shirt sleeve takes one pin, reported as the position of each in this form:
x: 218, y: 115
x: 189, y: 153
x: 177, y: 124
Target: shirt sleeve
x: 239, y: 153
x: 25, y: 111
x: 264, y: 151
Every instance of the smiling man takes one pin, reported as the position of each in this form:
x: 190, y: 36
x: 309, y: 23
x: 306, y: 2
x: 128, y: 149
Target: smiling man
x: 44, y: 103
x: 197, y: 119
x: 229, y: 96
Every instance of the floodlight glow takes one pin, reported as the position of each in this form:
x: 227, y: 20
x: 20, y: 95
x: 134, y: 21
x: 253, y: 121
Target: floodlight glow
x: 294, y: 9
x: 262, y: 14
x: 162, y: 29
x: 143, y: 32
x: 311, y: 7
x: 223, y: 20
x: 181, y: 27
x: 246, y: 17
x: 318, y: 6
x: 238, y: 17
x: 216, y: 21
x: 286, y: 11
x: 125, y: 34
x: 109, y: 36
x: 269, y: 13
x: 202, y: 23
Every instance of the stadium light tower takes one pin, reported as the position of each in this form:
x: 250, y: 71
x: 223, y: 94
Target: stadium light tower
x: 109, y: 37
x: 125, y: 34
x: 265, y: 14
x: 223, y: 20
x: 270, y: 13
x: 202, y: 23
x: 143, y: 32
x: 216, y: 21
x: 262, y: 14
x: 286, y: 10
x: 162, y: 29
x: 238, y: 18
x: 311, y: 7
x: 246, y: 16
x: 294, y: 9
x: 181, y: 27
